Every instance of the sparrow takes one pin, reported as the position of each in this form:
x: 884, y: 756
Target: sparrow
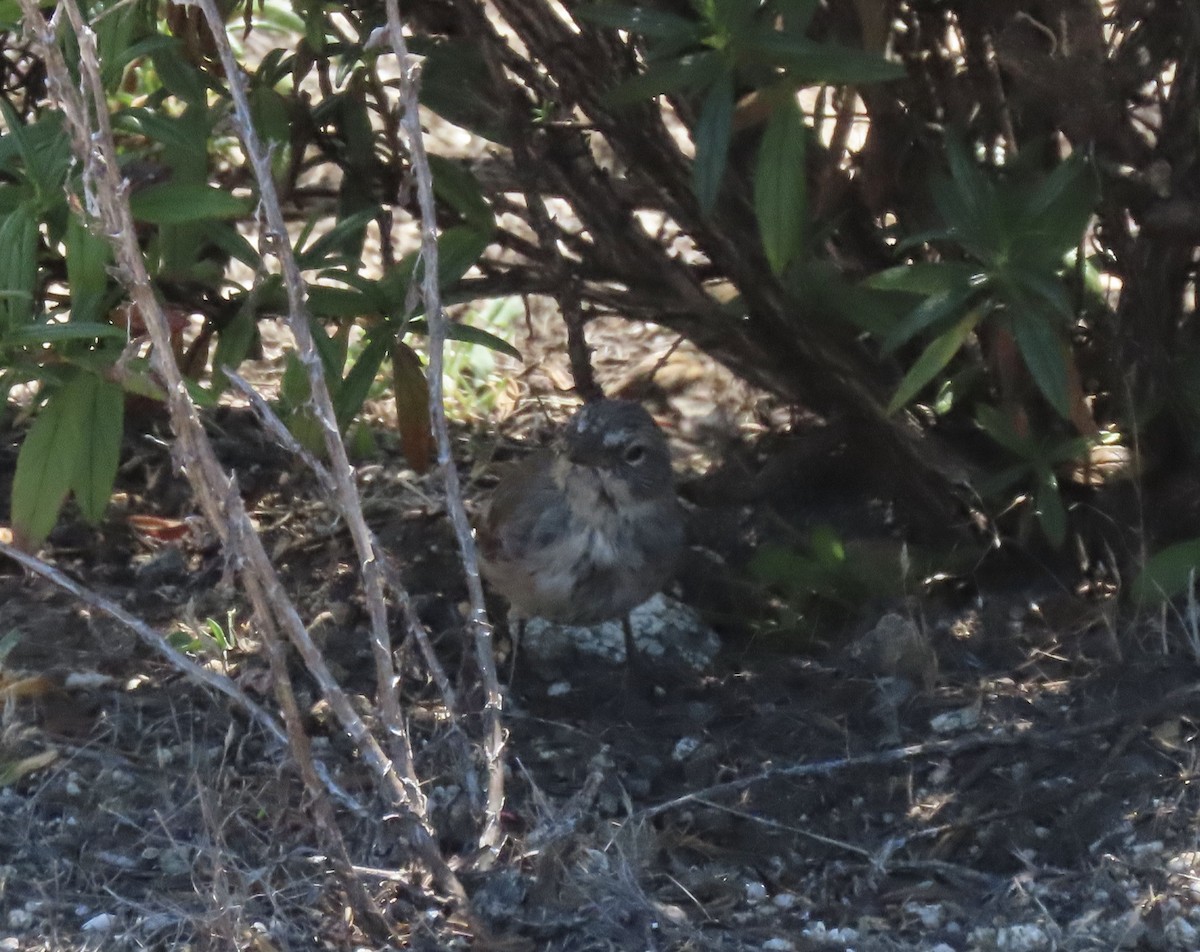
x: 587, y: 530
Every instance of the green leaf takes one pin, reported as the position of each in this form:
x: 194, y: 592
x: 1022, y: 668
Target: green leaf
x: 926, y: 277
x: 1030, y: 290
x: 998, y: 426
x: 459, y: 248
x: 1168, y: 572
x: 357, y: 384
x: 454, y: 184
x: 176, y: 203
x: 931, y: 312
x: 46, y: 464
x: 101, y: 404
x: 342, y: 239
x: 180, y: 77
x: 269, y: 113
x: 231, y: 242
x: 33, y: 334
x: 810, y: 62
x: 1042, y: 350
x: 940, y: 352
x: 18, y: 268
x: 456, y: 83
x: 655, y: 24
x: 234, y: 343
x: 88, y: 258
x: 712, y: 134
x: 1050, y: 510
x: 335, y: 303
x: 1059, y: 210
x: 695, y: 71
x: 780, y: 185
x: 45, y: 151
x: 471, y: 335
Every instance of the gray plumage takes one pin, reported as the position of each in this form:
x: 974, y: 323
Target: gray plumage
x: 591, y: 529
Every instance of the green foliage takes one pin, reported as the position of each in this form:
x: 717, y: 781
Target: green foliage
x: 731, y: 47
x: 71, y: 447
x: 174, y: 138
x: 1016, y: 232
x: 1168, y: 572
x: 825, y: 576
x: 1003, y: 251
x: 1037, y: 459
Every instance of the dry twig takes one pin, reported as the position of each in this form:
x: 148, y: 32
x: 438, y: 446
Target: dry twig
x: 493, y: 741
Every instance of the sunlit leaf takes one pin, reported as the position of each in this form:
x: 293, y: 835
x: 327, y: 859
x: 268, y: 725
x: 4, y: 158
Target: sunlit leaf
x: 930, y: 313
x: 102, y: 407
x: 176, y: 203
x: 47, y: 462
x: 470, y: 335
x: 926, y: 277
x: 933, y: 359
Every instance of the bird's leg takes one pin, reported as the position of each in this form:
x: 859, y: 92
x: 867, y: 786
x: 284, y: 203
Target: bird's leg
x: 630, y: 648
x: 516, y: 632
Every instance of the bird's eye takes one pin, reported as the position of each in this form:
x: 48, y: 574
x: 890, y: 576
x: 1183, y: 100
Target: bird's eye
x: 635, y: 454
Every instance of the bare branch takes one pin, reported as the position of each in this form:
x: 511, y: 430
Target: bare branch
x: 489, y: 838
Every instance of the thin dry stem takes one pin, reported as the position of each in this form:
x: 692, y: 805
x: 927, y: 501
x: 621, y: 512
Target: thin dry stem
x: 349, y: 503
x: 481, y: 628
x: 412, y: 623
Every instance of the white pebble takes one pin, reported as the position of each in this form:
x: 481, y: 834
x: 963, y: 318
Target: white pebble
x: 755, y: 892
x: 684, y: 748
x: 101, y: 923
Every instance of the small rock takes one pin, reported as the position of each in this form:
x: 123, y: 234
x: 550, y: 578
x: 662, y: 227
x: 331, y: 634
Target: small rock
x: 756, y: 892
x: 20, y: 918
x: 930, y: 915
x: 778, y: 945
x: 1181, y: 934
x: 784, y: 900
x: 104, y: 922
x: 559, y: 689
x: 663, y: 630
x: 11, y: 944
x: 951, y: 722
x: 684, y: 748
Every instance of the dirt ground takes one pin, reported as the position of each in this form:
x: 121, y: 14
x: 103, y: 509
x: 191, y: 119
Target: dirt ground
x: 1019, y: 778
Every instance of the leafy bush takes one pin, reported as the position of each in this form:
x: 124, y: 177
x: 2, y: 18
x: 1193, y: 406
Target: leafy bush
x: 947, y: 217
